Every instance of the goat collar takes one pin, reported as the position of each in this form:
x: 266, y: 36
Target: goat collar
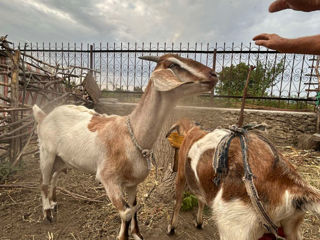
x: 146, y: 153
x: 220, y: 165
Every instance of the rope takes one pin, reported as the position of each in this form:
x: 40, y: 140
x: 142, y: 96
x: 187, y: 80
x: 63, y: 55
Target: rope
x: 221, y: 166
x: 146, y: 153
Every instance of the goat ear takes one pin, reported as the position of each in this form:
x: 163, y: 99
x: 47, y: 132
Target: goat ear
x: 165, y: 80
x: 174, y: 127
x: 174, y: 138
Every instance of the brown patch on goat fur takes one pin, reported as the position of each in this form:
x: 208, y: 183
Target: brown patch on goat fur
x: 271, y: 179
x: 185, y: 125
x: 113, y: 134
x: 98, y: 122
x: 115, y: 144
x: 184, y: 162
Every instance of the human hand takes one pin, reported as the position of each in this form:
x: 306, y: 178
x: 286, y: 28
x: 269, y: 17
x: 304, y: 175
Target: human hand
x: 272, y: 41
x: 300, y: 5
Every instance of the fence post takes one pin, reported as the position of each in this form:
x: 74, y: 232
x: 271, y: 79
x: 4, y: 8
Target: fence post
x: 91, y: 56
x: 214, y: 60
x: 14, y: 100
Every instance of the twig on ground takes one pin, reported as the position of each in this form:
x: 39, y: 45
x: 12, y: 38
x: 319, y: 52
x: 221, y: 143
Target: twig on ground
x: 62, y: 190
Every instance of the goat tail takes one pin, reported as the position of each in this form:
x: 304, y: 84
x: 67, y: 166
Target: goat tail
x: 38, y: 114
x: 310, y: 201
x: 314, y: 204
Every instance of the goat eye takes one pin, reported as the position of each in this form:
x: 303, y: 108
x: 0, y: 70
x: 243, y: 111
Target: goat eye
x: 172, y: 65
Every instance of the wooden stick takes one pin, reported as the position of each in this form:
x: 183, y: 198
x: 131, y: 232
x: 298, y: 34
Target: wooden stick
x: 62, y: 190
x: 17, y: 129
x: 14, y: 109
x: 17, y: 122
x: 31, y: 152
x: 4, y: 139
x: 4, y: 98
x: 25, y: 146
x: 5, y: 84
x: 240, y: 121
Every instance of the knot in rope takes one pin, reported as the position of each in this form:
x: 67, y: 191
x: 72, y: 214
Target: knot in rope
x: 146, y: 153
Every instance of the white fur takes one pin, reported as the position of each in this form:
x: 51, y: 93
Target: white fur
x: 193, y: 71
x: 65, y: 132
x: 209, y: 141
x: 235, y: 219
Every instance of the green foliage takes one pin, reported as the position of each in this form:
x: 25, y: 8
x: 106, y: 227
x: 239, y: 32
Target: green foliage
x: 189, y: 202
x: 69, y: 84
x: 137, y: 89
x: 6, y: 170
x: 233, y: 79
x: 119, y: 89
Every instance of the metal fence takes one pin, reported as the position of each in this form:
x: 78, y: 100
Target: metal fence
x: 118, y: 67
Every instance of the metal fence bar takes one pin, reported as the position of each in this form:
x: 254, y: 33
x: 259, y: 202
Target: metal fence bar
x: 301, y: 74
x: 107, y: 71
x: 121, y: 66
x: 273, y: 75
x: 128, y: 64
x: 291, y: 75
x: 135, y: 67
x: 115, y: 72
x: 282, y: 74
x: 114, y: 68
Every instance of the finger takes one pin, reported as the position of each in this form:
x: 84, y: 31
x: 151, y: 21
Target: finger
x: 278, y: 5
x: 262, y: 43
x: 262, y: 36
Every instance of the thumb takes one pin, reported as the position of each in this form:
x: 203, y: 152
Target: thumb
x: 278, y: 5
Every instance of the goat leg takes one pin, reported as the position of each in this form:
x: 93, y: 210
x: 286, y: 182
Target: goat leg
x: 180, y: 183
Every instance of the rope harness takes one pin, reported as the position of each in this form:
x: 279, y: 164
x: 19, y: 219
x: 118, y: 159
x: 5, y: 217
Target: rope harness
x: 220, y: 165
x: 147, y: 154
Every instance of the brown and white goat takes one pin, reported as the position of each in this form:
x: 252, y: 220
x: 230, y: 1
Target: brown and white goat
x: 97, y: 143
x: 285, y: 195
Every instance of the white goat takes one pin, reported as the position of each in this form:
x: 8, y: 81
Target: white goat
x: 285, y: 195
x: 112, y: 146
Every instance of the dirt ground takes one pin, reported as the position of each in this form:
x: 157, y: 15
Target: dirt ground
x: 84, y: 212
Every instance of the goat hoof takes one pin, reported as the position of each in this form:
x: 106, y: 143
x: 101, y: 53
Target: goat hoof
x: 137, y: 236
x: 170, y: 230
x: 48, y: 215
x: 55, y: 208
x: 198, y: 225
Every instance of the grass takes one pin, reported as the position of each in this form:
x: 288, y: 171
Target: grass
x: 6, y: 170
x: 189, y: 201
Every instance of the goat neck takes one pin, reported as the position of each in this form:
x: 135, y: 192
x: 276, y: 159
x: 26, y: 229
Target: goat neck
x: 148, y: 117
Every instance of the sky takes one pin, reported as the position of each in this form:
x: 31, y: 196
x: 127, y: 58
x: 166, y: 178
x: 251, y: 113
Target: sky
x: 93, y: 21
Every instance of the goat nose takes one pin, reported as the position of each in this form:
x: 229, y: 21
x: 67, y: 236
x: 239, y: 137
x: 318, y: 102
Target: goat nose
x: 213, y: 74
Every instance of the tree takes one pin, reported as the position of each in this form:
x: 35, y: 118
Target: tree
x: 233, y: 78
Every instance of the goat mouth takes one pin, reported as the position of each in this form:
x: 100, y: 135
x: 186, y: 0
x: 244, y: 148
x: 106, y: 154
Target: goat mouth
x: 210, y: 83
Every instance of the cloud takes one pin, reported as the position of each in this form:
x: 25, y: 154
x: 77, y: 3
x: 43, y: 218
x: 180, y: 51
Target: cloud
x: 148, y: 21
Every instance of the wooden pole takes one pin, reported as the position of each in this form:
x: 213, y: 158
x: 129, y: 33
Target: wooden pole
x: 318, y: 110
x: 14, y: 100
x: 214, y: 61
x: 245, y: 90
